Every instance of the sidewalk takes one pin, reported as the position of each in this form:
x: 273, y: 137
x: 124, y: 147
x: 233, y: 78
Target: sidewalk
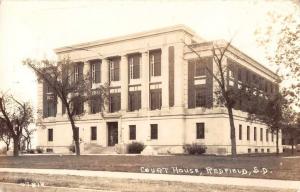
x: 282, y: 184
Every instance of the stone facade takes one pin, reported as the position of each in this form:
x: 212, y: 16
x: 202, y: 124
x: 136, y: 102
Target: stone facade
x: 174, y: 119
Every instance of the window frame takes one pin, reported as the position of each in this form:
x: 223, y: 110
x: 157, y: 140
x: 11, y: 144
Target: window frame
x: 153, y: 131
x: 50, y: 135
x: 132, y: 132
x: 93, y: 133
x: 200, y: 130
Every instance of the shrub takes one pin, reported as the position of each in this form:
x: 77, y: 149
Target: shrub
x: 3, y: 151
x: 72, y: 148
x: 135, y: 147
x: 194, y: 148
x: 31, y: 151
x: 39, y: 150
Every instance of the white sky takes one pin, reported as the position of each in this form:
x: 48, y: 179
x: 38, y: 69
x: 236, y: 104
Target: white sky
x: 34, y: 28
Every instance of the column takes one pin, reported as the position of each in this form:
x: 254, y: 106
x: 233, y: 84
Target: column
x: 86, y: 71
x: 179, y: 75
x: 105, y: 79
x: 124, y: 83
x: 145, y: 80
x: 165, y: 76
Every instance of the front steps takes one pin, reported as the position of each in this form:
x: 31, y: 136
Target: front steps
x: 92, y: 148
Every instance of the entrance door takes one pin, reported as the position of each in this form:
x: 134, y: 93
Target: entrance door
x: 112, y: 133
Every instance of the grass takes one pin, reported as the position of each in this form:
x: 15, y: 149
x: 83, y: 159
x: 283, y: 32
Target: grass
x: 278, y: 167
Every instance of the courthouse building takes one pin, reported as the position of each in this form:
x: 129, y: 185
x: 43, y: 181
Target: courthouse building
x: 160, y: 94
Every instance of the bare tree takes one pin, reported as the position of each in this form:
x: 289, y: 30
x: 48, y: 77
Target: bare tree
x: 27, y: 136
x: 5, y: 134
x: 17, y: 116
x: 68, y: 83
x: 226, y: 95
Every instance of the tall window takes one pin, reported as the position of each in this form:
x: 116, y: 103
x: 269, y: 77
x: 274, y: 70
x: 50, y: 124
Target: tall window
x: 95, y: 71
x: 115, y: 102
x: 267, y: 135
x: 155, y: 99
x: 200, y: 96
x: 200, y: 131
x: 78, y: 107
x: 50, y: 134
x: 248, y: 133
x: 154, y: 131
x: 93, y: 133
x: 240, y: 132
x: 78, y: 72
x: 261, y: 134
x: 254, y: 133
x: 240, y: 74
x: 199, y: 69
x: 134, y: 66
x: 132, y: 132
x: 134, y: 100
x: 155, y: 62
x: 272, y: 136
x: 50, y: 104
x: 95, y: 104
x: 114, y: 69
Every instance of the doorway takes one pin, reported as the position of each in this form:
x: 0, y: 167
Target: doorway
x: 112, y: 128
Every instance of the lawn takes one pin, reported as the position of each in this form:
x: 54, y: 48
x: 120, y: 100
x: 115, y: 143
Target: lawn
x: 274, y: 167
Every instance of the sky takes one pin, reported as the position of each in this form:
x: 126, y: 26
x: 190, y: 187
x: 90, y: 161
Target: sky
x: 32, y: 29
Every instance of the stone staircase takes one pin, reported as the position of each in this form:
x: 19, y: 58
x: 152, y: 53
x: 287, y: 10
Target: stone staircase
x: 92, y: 148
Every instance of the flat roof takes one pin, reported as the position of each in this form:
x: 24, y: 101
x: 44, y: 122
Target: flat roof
x: 126, y: 37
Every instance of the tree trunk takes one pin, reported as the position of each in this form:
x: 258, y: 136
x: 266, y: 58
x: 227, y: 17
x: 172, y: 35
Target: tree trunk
x: 277, y: 141
x: 232, y: 132
x: 75, y: 137
x: 7, y: 146
x: 292, y: 148
x: 16, y: 146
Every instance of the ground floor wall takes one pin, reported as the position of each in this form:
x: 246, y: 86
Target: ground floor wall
x: 173, y: 132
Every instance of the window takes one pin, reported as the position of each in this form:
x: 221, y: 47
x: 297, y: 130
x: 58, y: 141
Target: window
x: 50, y: 134
x: 256, y: 150
x: 93, y: 133
x: 114, y: 69
x: 248, y: 133
x: 240, y: 132
x: 254, y: 133
x: 115, y: 102
x: 283, y: 141
x: 132, y: 132
x: 155, y: 62
x: 154, y: 134
x: 240, y: 74
x: 200, y: 96
x: 200, y: 131
x: 155, y: 99
x: 249, y: 150
x: 262, y: 150
x: 134, y: 66
x: 199, y: 69
x: 134, y: 102
x: 78, y: 72
x: 272, y: 136
x: 267, y: 135
x: 95, y: 104
x: 49, y: 102
x: 78, y: 106
x: 95, y: 71
x: 261, y: 134
x: 268, y: 150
